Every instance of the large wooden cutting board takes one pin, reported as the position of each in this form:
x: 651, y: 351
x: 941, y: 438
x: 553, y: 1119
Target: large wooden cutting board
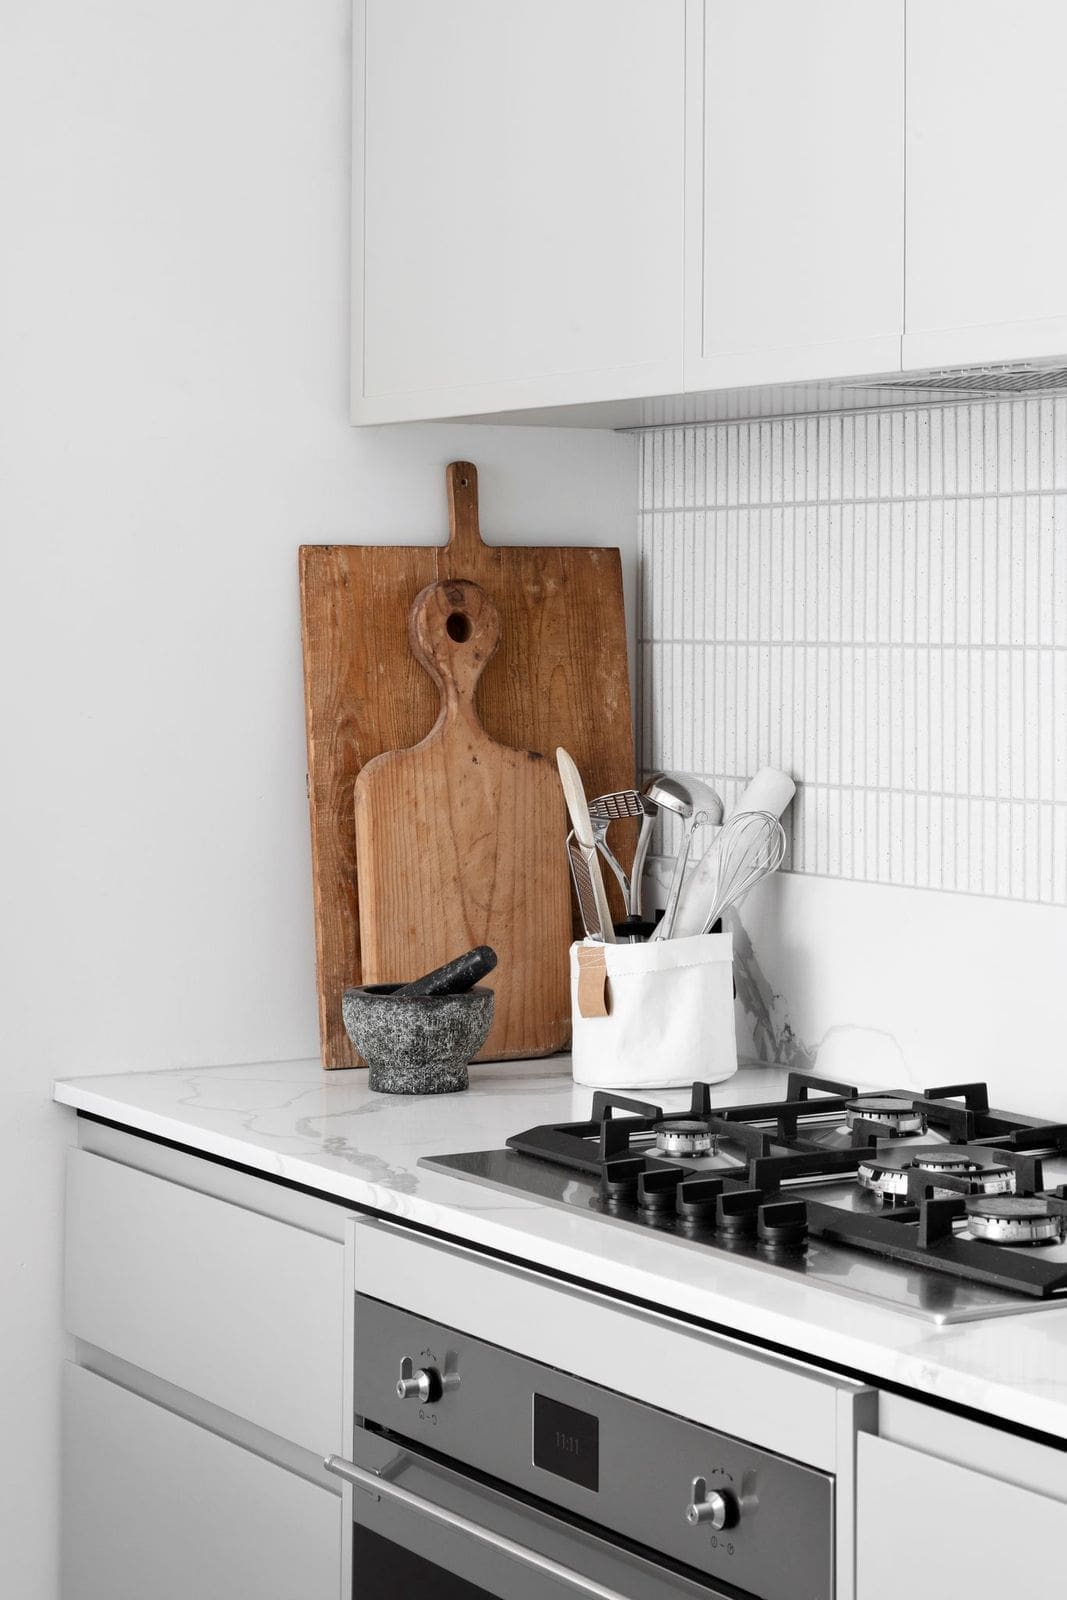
x: 560, y: 677
x: 458, y: 842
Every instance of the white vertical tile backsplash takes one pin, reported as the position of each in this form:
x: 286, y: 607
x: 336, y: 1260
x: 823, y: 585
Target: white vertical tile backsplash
x: 878, y: 604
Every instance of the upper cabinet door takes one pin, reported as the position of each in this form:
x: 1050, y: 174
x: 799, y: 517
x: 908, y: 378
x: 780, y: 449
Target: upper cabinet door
x: 987, y: 227
x: 795, y: 190
x: 518, y: 223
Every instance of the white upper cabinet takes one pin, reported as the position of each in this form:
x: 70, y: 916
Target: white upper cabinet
x: 568, y: 204
x: 986, y: 223
x: 795, y: 190
x: 518, y: 204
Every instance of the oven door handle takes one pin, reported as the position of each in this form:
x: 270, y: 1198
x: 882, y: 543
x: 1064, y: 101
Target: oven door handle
x: 518, y: 1552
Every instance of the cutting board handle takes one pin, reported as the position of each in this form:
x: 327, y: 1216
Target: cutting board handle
x: 454, y: 629
x: 464, y: 535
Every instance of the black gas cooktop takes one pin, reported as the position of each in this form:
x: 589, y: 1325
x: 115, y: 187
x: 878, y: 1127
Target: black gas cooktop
x: 934, y: 1203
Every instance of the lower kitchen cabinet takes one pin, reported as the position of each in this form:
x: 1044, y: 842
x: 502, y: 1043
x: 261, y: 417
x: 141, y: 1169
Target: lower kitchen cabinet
x: 963, y: 1532
x: 157, y: 1506
x: 218, y: 1349
x: 209, y: 1294
x: 208, y: 1310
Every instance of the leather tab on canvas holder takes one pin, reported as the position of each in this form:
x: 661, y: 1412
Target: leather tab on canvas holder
x: 592, y: 981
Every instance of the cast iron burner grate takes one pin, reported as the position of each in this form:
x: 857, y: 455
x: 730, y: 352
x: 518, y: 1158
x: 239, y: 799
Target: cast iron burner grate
x: 950, y: 1149
x: 604, y: 1136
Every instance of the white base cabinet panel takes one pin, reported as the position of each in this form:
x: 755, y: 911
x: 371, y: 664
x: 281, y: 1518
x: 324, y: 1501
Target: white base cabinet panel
x: 238, y: 1308
x: 928, y: 1528
x: 155, y: 1506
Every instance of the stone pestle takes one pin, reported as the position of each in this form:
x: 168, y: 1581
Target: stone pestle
x: 455, y: 977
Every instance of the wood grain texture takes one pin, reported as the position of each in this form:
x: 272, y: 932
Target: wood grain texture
x: 458, y: 842
x: 560, y: 676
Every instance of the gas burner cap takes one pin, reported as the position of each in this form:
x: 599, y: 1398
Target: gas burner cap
x: 895, y: 1115
x: 683, y: 1138
x: 1013, y: 1219
x: 947, y: 1159
x: 887, y: 1176
x: 984, y: 1178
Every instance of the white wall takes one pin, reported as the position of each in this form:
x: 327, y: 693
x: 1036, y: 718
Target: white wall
x: 913, y: 987
x: 173, y: 359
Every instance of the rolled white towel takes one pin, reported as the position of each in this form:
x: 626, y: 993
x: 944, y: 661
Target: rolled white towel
x: 770, y: 790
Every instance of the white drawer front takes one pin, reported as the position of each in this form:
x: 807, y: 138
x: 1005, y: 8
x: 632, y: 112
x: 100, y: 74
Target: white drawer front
x: 961, y: 1532
x: 155, y: 1506
x: 237, y: 1308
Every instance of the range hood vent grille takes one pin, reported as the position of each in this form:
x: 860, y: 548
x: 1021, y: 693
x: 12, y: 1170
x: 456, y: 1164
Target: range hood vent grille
x: 1021, y: 378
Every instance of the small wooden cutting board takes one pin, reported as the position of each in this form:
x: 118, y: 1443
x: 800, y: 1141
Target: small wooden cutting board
x: 560, y: 677
x: 459, y: 842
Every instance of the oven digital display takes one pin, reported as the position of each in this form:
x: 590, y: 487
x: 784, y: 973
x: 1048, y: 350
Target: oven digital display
x: 566, y: 1442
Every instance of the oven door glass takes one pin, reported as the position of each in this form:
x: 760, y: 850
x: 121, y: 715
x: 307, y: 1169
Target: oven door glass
x: 385, y: 1570
x: 450, y: 1536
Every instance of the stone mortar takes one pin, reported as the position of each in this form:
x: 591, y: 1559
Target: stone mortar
x: 418, y: 1044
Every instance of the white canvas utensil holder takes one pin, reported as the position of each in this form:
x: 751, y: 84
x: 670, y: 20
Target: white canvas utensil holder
x: 658, y: 1014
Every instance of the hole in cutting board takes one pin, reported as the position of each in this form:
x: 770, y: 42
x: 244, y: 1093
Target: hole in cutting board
x: 458, y: 627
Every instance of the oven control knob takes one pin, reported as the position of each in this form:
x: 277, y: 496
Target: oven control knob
x: 418, y: 1383
x: 717, y: 1508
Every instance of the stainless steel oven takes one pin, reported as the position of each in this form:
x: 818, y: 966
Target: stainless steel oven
x: 481, y: 1470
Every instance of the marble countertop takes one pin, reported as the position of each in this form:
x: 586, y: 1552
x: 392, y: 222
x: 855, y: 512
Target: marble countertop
x: 328, y: 1131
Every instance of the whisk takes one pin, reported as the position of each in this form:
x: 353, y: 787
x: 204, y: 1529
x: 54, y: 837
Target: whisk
x: 750, y: 846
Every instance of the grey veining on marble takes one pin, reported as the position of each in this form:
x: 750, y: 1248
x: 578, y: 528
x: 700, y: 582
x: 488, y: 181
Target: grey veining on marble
x: 329, y: 1131
x: 770, y: 1041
